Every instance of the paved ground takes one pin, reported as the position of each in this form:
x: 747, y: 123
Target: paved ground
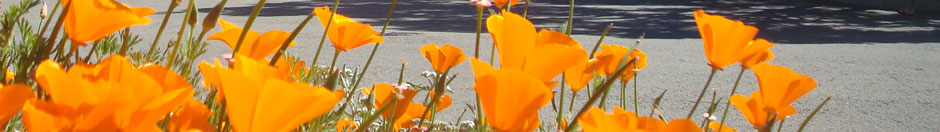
x: 879, y: 67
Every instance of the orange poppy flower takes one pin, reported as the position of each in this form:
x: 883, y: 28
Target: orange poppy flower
x: 344, y: 33
x: 90, y: 20
x: 258, y: 103
x: 756, y: 52
x: 682, y: 125
x: 386, y: 93
x: 596, y: 120
x: 723, y: 38
x: 192, y: 116
x: 342, y: 124
x: 210, y: 74
x: 511, y: 99
x: 502, y: 3
x: 544, y: 55
x: 112, y: 95
x: 611, y: 56
x: 9, y: 77
x: 579, y: 75
x: 724, y: 128
x: 754, y: 109
x: 255, y: 45
x: 442, y: 58
x: 12, y: 99
x: 780, y: 86
x: 402, y: 122
x: 442, y: 103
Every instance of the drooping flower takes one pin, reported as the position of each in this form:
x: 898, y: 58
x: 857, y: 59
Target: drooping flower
x: 12, y: 98
x: 192, y: 116
x: 682, y: 125
x: 722, y: 38
x: 756, y: 112
x: 579, y: 75
x: 544, y: 55
x: 260, y: 99
x: 442, y: 58
x: 511, y: 99
x: 344, y: 33
x: 724, y: 128
x: 596, y: 120
x: 610, y: 58
x: 756, y: 52
x: 387, y: 93
x: 90, y: 20
x: 342, y: 124
x: 110, y: 96
x: 254, y: 45
x: 780, y: 86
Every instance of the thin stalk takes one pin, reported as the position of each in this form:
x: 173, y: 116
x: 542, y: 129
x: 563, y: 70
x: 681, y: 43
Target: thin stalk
x: 623, y: 93
x: 401, y: 74
x: 166, y: 18
x: 811, y: 115
x: 781, y: 124
x: 48, y: 21
x: 711, y: 108
x: 438, y: 92
x: 251, y: 21
x: 482, y: 124
x: 92, y: 51
x: 525, y: 8
x: 127, y: 37
x: 570, y: 18
x: 596, y: 95
x: 728, y: 104
x: 599, y: 41
x: 561, y: 101
x: 636, y: 103
x: 289, y: 39
x: 335, y: 55
x: 179, y: 36
x: 700, y: 95
x: 603, y: 103
x: 476, y: 49
x: 388, y: 18
x: 58, y: 26
x: 571, y: 105
x: 326, y: 30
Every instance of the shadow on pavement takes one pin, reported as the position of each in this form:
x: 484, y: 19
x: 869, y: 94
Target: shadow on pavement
x: 790, y: 21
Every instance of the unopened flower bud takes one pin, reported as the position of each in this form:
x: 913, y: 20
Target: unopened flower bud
x: 44, y: 11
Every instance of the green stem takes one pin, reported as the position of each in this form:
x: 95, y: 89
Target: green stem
x: 476, y: 49
x: 711, y: 109
x: 368, y: 121
x: 781, y: 124
x: 326, y: 30
x: 127, y: 37
x: 48, y: 21
x: 811, y: 115
x: 525, y: 8
x: 561, y: 101
x: 166, y: 18
x: 700, y: 95
x: 570, y: 18
x: 335, y: 55
x: 636, y: 103
x: 179, y: 36
x: 438, y: 92
x: 58, y: 26
x: 571, y: 105
x: 401, y: 73
x: 728, y: 104
x: 482, y: 124
x: 599, y: 41
x: 251, y: 21
x: 388, y: 18
x: 596, y: 95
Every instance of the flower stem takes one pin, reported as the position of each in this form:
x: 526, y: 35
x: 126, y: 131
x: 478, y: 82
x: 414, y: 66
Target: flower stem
x: 525, y: 8
x: 570, y: 19
x: 561, y: 101
x: 335, y: 55
x: 127, y: 39
x: 728, y: 104
x: 48, y: 21
x: 636, y: 103
x: 596, y: 95
x: 599, y: 41
x: 326, y: 30
x: 166, y: 18
x: 476, y: 50
x: 388, y: 18
x: 58, y: 26
x: 781, y: 124
x: 251, y: 21
x: 571, y: 105
x: 368, y: 121
x: 700, y: 95
x: 401, y: 74
x: 438, y: 92
x: 179, y: 36
x: 811, y: 115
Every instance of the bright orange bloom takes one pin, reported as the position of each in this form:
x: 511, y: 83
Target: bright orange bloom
x: 387, y: 93
x: 544, y: 55
x: 90, y: 20
x: 110, y: 96
x: 511, y: 99
x: 682, y: 125
x: 344, y: 33
x: 255, y: 45
x: 596, y: 120
x: 755, y: 111
x: 502, y: 3
x: 579, y: 75
x: 442, y: 103
x: 260, y: 99
x: 402, y: 122
x: 780, y: 86
x: 442, y: 58
x: 611, y: 56
x: 9, y: 77
x: 724, y: 128
x: 756, y: 52
x: 342, y: 124
x: 723, y: 38
x: 12, y: 99
x: 192, y: 116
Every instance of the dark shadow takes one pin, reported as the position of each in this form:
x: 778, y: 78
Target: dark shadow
x: 783, y: 21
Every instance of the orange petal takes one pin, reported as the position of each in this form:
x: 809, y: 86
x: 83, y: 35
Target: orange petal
x: 682, y: 125
x: 781, y: 86
x: 480, y: 68
x: 230, y: 35
x: 757, y: 51
x: 350, y: 35
x: 722, y: 38
x: 268, y: 43
x: 12, y: 99
x: 342, y: 124
x: 552, y: 60
x: 192, y: 115
x: 550, y: 37
x: 724, y: 128
x: 511, y: 98
x: 90, y: 20
x: 514, y: 37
